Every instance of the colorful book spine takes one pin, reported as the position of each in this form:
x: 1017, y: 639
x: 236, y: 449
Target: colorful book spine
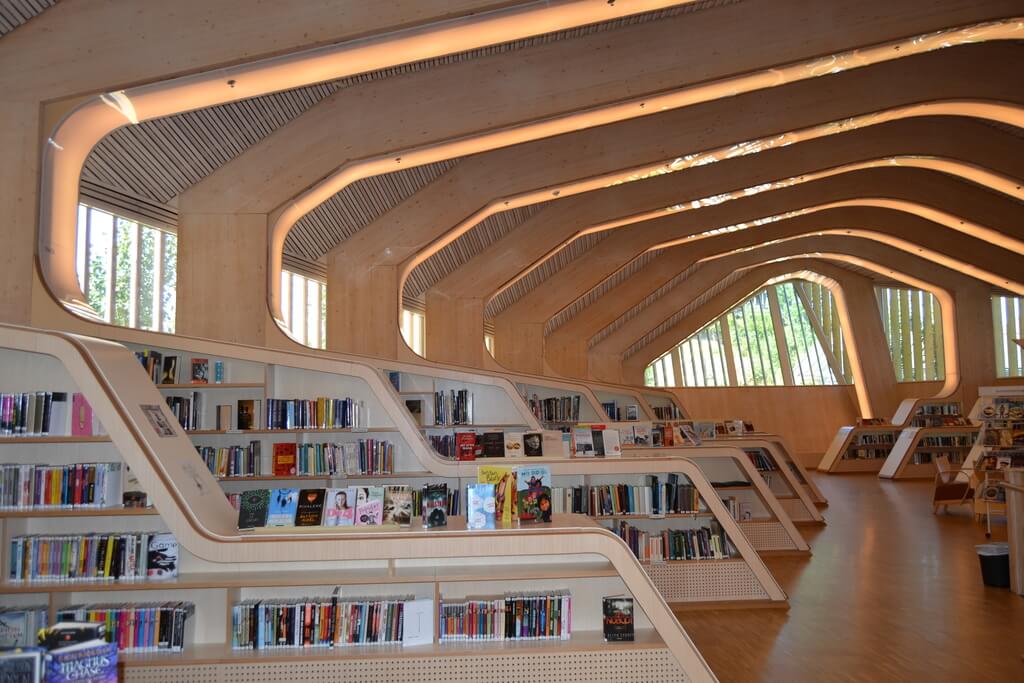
x: 82, y: 485
x: 516, y: 616
x: 80, y: 557
x: 147, y: 627
x: 317, y: 622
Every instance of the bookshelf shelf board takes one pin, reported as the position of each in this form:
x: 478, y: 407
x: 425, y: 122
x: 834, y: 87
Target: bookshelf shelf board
x: 235, y: 385
x: 329, y: 477
x: 53, y: 439
x: 415, y: 393
x: 581, y: 641
x: 720, y: 487
x: 476, y: 426
x: 705, y: 561
x: 78, y: 512
x: 675, y: 515
x: 942, y: 449
x: 332, y: 430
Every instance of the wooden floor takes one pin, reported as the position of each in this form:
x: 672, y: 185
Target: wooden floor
x: 891, y: 593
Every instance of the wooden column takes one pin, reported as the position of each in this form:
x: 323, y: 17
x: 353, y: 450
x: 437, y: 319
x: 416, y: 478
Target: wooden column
x: 19, y: 175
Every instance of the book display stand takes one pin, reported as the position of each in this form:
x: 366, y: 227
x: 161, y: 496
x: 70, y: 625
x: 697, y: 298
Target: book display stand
x: 999, y: 446
x: 865, y: 448
x: 914, y: 453
x: 220, y: 566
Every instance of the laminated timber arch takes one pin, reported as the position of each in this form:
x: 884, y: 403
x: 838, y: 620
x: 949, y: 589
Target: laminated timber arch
x: 456, y: 304
x: 965, y: 310
x: 916, y: 192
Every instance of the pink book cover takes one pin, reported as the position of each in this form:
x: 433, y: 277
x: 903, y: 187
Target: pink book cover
x: 81, y: 416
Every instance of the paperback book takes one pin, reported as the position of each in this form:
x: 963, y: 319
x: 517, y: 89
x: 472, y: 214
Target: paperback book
x: 534, y: 493
x: 340, y: 510
x: 283, y: 503
x: 253, y: 509
x: 162, y: 557
x: 480, y: 506
x: 533, y: 444
x: 435, y: 505
x: 369, y: 505
x: 200, y: 371
x: 618, y: 619
x: 309, y: 510
x: 513, y: 444
x: 284, y: 459
x: 397, y: 505
x: 503, y: 479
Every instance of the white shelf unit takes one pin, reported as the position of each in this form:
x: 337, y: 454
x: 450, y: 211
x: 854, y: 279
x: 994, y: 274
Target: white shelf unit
x: 663, y: 404
x: 801, y: 485
x: 913, y: 454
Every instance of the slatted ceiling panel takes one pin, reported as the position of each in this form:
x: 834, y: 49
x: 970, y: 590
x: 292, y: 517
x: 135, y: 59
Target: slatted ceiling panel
x: 685, y: 311
x: 612, y: 281
x: 14, y: 13
x: 449, y: 259
x: 638, y: 308
x: 541, y: 273
x: 357, y: 206
x: 159, y: 159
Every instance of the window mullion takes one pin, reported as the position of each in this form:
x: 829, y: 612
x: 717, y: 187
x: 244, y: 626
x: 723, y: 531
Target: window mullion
x: 730, y: 362
x: 780, y: 337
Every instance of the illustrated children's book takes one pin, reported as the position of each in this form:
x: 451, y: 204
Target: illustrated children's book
x: 534, y: 492
x: 339, y: 509
x: 283, y: 503
x: 480, y: 506
x: 504, y: 481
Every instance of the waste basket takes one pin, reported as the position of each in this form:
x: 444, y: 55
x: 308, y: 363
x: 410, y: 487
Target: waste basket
x: 995, y: 564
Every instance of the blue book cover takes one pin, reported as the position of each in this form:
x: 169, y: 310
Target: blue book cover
x: 283, y: 503
x: 91, y: 662
x: 480, y: 506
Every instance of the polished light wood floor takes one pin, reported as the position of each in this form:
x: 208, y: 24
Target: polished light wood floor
x: 891, y: 593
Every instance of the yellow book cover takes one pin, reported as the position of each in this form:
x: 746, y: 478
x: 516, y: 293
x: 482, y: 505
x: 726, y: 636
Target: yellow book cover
x: 321, y: 415
x: 504, y: 480
x: 109, y: 557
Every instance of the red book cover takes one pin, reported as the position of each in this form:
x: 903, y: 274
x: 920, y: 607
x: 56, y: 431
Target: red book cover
x: 284, y: 459
x: 465, y: 445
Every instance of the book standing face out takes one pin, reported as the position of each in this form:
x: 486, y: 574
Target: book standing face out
x: 340, y: 508
x: 253, y: 509
x: 283, y: 503
x: 200, y: 371
x: 534, y: 493
x: 618, y: 619
x: 503, y: 479
x: 310, y: 508
x: 480, y: 506
x: 397, y: 505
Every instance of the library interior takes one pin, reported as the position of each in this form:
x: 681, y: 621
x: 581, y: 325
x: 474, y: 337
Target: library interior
x: 624, y: 341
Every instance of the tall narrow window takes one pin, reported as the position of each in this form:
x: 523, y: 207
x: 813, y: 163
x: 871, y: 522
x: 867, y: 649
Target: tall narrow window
x: 127, y: 270
x: 1008, y: 326
x: 489, y: 343
x: 912, y: 320
x: 744, y: 348
x: 414, y: 331
x: 304, y: 308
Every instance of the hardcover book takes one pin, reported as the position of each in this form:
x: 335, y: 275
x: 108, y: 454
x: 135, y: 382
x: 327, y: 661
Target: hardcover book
x: 91, y: 662
x: 285, y: 459
x: 705, y: 430
x: 533, y: 444
x: 584, y: 439
x: 632, y: 413
x: 200, y: 371
x: 340, y: 509
x: 253, y: 509
x: 282, y: 507
x: 435, y: 505
x: 513, y: 444
x: 466, y: 446
x: 309, y: 511
x: 369, y: 505
x: 170, y: 370
x: 22, y: 665
x: 534, y: 493
x: 492, y: 444
x: 618, y: 619
x: 162, y: 558
x: 503, y: 479
x: 612, y: 444
x: 480, y: 506
x: 397, y: 505
x: 14, y: 629
x: 642, y: 434
x: 248, y: 410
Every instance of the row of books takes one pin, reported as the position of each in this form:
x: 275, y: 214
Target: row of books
x: 555, y: 409
x: 928, y: 457
x: 187, y: 410
x: 667, y: 412
x: 1000, y: 460
x: 761, y: 461
x: 517, y: 616
x: 47, y: 413
x: 330, y: 622
x: 1003, y: 433
x: 740, y: 510
x: 365, y: 457
x: 943, y: 408
x: 947, y: 441
x: 233, y: 461
x: 1003, y: 408
x: 704, y: 543
x: 86, y: 485
x: 318, y: 413
x: 93, y: 557
x: 470, y: 445
x: 164, y: 369
x: 652, y: 499
x: 19, y: 625
x: 939, y: 421
x: 145, y: 627
x: 453, y: 407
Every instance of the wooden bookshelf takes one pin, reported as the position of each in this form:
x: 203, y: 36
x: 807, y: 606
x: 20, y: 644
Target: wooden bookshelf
x: 212, y: 385
x: 77, y: 512
x: 326, y: 430
x: 913, y: 444
x: 328, y: 477
x: 53, y: 439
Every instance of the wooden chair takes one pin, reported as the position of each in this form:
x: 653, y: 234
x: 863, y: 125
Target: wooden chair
x: 948, y: 490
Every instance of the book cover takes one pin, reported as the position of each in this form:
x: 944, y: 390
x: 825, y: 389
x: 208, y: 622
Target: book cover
x: 534, y: 493
x: 612, y: 443
x: 632, y: 413
x: 533, y: 444
x: 340, y: 509
x: 418, y: 622
x: 514, y: 444
x: 668, y: 436
x: 91, y: 662
x: 415, y: 408
x: 618, y: 619
x: 282, y: 507
x: 369, y: 505
x: 285, y: 456
x: 466, y: 445
x: 642, y: 434
x: 247, y: 417
x: 22, y: 665
x: 551, y: 443
x: 503, y: 479
x: 480, y: 506
x: 657, y: 437
x: 734, y: 427
x: 598, y: 437
x: 218, y: 372
x: 705, y: 430
x: 492, y: 444
x: 309, y: 511
x: 162, y: 556
x: 60, y: 412
x: 81, y: 416
x: 397, y: 505
x: 584, y: 440
x: 14, y: 629
x: 395, y: 378
x: 169, y: 375
x: 224, y: 417
x: 200, y: 371
x: 435, y: 505
x: 253, y: 509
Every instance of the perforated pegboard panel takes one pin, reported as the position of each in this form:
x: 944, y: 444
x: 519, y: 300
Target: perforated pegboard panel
x: 767, y: 535
x: 796, y: 509
x: 706, y: 581
x: 615, y: 666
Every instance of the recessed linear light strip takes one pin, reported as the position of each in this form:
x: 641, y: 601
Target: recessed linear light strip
x: 970, y: 172
x: 84, y: 127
